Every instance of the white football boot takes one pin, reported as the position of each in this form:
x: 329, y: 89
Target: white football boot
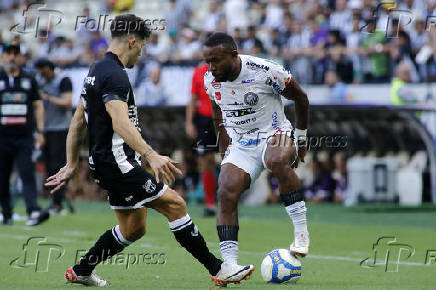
x: 232, y: 273
x: 91, y: 280
x: 300, y: 246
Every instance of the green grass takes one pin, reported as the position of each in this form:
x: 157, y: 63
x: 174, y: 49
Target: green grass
x: 340, y: 238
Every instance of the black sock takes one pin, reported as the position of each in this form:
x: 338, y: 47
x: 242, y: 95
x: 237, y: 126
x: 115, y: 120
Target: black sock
x: 109, y: 244
x: 228, y: 233
x: 189, y: 237
x: 292, y: 197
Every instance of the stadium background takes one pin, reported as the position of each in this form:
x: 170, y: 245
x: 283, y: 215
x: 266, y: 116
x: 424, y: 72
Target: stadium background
x: 367, y: 147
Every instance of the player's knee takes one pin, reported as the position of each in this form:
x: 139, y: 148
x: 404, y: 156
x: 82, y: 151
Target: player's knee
x: 227, y: 198
x: 176, y: 207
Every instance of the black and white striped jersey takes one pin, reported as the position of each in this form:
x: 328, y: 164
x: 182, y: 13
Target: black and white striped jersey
x: 107, y: 80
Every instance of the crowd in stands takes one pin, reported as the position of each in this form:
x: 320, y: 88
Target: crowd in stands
x: 319, y: 41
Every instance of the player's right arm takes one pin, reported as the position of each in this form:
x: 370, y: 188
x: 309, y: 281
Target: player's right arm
x: 161, y: 165
x: 75, y: 136
x: 220, y: 130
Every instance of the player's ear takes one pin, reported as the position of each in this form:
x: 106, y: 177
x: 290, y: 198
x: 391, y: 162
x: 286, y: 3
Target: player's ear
x: 132, y: 41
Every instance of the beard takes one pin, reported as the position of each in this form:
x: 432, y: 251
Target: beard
x: 10, y: 67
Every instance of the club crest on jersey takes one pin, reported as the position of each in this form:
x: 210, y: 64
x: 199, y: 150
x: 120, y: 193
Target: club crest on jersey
x: 218, y: 96
x: 251, y: 99
x: 216, y: 85
x: 25, y: 84
x: 149, y: 186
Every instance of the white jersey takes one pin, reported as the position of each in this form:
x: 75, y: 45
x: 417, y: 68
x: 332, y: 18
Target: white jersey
x: 251, y: 105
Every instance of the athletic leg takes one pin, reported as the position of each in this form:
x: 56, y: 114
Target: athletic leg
x: 173, y: 207
x: 231, y: 184
x: 131, y: 227
x: 278, y: 156
x: 7, y: 159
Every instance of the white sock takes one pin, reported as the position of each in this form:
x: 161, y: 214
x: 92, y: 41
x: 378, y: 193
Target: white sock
x: 297, y: 213
x: 229, y: 251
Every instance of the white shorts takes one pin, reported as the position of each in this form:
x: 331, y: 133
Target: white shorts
x: 251, y: 159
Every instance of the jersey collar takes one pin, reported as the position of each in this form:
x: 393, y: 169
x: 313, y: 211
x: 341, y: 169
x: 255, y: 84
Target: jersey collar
x: 114, y: 57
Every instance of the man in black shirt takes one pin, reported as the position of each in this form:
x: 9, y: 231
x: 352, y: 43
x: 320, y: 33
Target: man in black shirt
x: 115, y: 146
x: 19, y: 106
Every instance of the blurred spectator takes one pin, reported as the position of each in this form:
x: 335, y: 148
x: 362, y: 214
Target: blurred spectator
x: 340, y: 176
x: 337, y: 89
x: 56, y: 90
x: 238, y: 38
x: 235, y: 14
x: 375, y: 49
x: 252, y: 44
x: 173, y: 17
x: 324, y: 185
x: 400, y: 90
x: 214, y: 17
x: 66, y: 55
x: 98, y: 44
x: 154, y: 49
x: 274, y: 15
x: 340, y: 19
x: 189, y: 47
x: 151, y: 92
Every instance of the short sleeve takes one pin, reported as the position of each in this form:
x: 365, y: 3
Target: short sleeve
x: 195, y: 82
x: 207, y: 85
x: 278, y: 77
x: 115, y: 86
x: 65, y: 85
x: 34, y: 90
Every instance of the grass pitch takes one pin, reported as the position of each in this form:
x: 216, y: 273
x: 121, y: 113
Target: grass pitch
x: 340, y: 239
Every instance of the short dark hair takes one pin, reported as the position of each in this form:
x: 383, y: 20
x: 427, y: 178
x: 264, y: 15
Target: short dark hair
x: 127, y: 24
x: 43, y: 62
x: 220, y: 38
x: 12, y: 48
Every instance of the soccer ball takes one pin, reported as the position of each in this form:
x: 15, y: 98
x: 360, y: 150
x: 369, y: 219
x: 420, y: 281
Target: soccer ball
x: 279, y: 266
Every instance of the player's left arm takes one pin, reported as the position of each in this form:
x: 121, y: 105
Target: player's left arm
x: 294, y: 92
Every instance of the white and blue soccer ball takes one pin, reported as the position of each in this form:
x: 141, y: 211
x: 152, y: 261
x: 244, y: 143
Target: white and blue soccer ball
x: 279, y: 266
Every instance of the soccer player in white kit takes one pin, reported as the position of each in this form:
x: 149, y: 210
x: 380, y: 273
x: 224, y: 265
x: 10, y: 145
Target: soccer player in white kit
x: 254, y: 133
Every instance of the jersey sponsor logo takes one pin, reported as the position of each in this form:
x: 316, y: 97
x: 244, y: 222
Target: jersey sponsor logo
x: 256, y: 66
x: 239, y: 113
x: 247, y: 81
x: 275, y: 121
x: 242, y: 122
x: 13, y: 109
x: 249, y: 142
x: 25, y: 84
x: 149, y: 186
x: 251, y: 99
x: 13, y: 121
x: 89, y: 80
x: 218, y: 96
x: 274, y: 85
x: 11, y: 97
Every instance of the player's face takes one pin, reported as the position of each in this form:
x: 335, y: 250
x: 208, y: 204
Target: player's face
x: 135, y: 51
x: 220, y: 61
x: 10, y: 60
